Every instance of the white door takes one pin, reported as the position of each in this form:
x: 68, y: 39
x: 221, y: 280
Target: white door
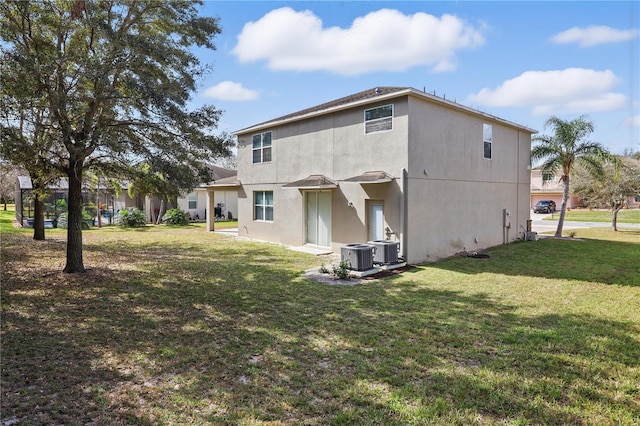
x: 376, y: 220
x: 319, y: 218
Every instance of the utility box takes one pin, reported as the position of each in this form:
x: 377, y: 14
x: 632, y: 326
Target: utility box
x: 531, y: 236
x: 386, y: 251
x: 359, y: 256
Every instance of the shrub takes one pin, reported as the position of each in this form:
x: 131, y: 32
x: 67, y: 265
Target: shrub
x: 175, y: 217
x: 63, y: 222
x: 130, y: 218
x: 342, y: 270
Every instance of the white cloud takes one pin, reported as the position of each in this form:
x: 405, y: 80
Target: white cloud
x: 230, y: 91
x: 632, y: 121
x: 594, y: 35
x: 572, y: 90
x: 384, y: 40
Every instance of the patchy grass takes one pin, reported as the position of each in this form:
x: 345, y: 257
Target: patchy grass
x: 584, y: 215
x: 180, y: 326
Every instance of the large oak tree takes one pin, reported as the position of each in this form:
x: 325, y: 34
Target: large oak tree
x: 115, y: 77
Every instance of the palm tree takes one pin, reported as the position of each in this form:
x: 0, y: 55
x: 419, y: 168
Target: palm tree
x: 563, y: 149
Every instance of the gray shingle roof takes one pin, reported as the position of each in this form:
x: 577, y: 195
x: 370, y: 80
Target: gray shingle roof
x: 382, y: 92
x: 360, y: 96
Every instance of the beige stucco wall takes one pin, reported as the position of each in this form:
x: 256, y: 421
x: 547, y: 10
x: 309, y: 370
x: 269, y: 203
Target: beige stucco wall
x: 228, y: 198
x: 124, y: 201
x: 455, y: 198
x: 334, y: 146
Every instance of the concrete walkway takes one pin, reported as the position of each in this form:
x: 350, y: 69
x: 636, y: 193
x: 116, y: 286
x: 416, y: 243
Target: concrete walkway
x: 316, y: 251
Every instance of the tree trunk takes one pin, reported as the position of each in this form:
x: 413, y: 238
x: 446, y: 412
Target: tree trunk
x: 38, y: 217
x: 614, y: 217
x: 160, y: 212
x: 563, y: 208
x: 74, y: 217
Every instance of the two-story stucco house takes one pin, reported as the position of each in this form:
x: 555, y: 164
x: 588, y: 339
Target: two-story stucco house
x: 387, y: 163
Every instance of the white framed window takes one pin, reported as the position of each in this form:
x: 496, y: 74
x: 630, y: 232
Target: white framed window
x: 487, y: 141
x: 262, y: 148
x: 378, y: 119
x: 193, y: 201
x: 263, y: 206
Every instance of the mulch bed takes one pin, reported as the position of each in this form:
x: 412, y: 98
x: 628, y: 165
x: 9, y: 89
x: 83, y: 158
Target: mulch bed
x: 388, y: 273
x: 331, y: 279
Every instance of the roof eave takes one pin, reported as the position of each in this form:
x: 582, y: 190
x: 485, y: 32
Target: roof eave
x: 349, y: 105
x: 470, y: 110
x: 379, y: 98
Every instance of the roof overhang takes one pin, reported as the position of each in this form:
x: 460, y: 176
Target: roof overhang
x: 312, y: 182
x: 371, y: 177
x: 225, y: 184
x: 400, y: 92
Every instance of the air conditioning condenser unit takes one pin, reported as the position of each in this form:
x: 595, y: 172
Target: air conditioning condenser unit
x: 359, y: 256
x: 386, y: 251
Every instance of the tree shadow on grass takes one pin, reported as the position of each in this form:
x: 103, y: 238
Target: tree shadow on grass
x: 226, y: 335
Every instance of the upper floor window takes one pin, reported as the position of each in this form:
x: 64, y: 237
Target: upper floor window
x: 487, y: 139
x: 263, y: 205
x: 378, y: 119
x: 193, y: 201
x: 262, y: 147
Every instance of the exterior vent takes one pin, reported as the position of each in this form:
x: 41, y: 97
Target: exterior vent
x: 386, y: 251
x: 360, y: 256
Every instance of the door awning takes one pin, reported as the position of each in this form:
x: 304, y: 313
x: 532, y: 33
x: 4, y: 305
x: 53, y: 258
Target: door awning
x: 313, y: 182
x: 372, y: 177
x: 228, y: 183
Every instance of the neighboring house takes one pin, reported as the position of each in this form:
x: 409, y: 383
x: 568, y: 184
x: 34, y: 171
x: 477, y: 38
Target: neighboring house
x: 59, y: 190
x: 195, y: 203
x: 552, y: 190
x: 123, y: 200
x: 225, y: 202
x: 387, y: 163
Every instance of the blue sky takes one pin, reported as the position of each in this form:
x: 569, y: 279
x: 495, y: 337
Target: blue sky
x: 521, y: 61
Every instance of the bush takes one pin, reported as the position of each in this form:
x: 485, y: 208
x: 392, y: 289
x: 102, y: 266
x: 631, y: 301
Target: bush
x: 176, y: 217
x: 130, y: 218
x: 63, y: 220
x: 342, y: 270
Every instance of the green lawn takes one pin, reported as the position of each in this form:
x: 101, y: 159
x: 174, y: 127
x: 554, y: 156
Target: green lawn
x: 584, y: 215
x: 180, y: 326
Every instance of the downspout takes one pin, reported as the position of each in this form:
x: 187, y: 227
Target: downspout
x: 518, y: 186
x: 405, y: 214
